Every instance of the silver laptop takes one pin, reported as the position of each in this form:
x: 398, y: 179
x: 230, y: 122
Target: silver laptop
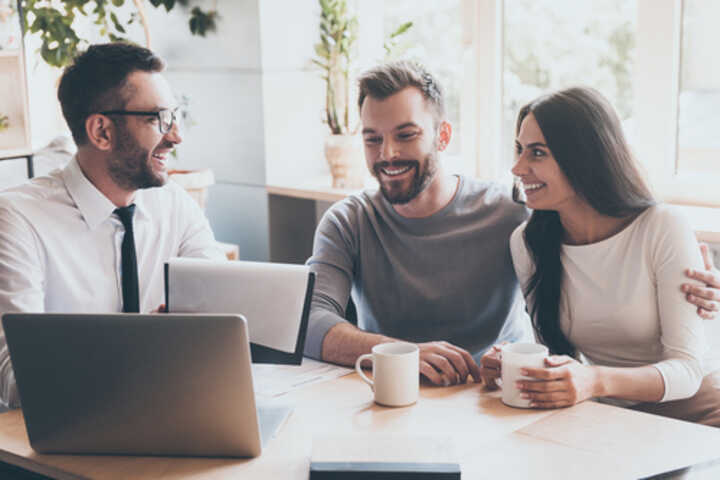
x: 138, y: 384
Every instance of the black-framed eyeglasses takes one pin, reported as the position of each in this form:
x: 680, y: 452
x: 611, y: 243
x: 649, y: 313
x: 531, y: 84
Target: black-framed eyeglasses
x: 166, y: 118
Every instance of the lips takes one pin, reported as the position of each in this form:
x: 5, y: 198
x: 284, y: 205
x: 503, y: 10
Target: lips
x: 394, y: 169
x: 160, y: 160
x: 531, y: 188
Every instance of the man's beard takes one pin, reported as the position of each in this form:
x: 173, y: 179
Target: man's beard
x: 129, y: 165
x: 392, y: 190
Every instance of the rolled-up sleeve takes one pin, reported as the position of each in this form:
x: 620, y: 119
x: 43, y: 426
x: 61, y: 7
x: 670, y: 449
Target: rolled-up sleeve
x: 682, y: 331
x: 21, y: 286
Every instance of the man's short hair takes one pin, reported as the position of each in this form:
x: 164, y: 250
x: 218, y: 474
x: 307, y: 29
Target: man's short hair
x: 96, y: 81
x: 390, y: 78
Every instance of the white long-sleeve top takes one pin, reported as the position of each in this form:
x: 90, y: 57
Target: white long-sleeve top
x: 60, y: 249
x: 621, y: 303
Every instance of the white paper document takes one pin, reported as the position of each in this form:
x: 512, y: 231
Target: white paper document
x: 271, y: 296
x: 274, y: 380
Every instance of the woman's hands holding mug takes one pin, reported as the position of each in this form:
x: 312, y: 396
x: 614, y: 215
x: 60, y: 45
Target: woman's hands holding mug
x: 564, y: 383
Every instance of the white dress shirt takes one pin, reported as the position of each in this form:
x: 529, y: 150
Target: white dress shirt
x: 621, y: 303
x: 60, y: 248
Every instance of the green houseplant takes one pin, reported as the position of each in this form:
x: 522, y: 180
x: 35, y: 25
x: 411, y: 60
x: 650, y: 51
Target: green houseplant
x: 335, y: 53
x: 54, y: 22
x: 4, y: 122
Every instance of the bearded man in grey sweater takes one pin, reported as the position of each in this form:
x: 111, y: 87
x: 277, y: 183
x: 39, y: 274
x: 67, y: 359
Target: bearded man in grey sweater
x: 426, y: 257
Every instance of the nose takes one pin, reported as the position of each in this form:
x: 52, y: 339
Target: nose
x: 388, y: 150
x: 520, y: 167
x: 174, y: 135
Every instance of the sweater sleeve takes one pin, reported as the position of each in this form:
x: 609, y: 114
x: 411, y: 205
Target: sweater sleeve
x: 332, y: 261
x: 674, y: 248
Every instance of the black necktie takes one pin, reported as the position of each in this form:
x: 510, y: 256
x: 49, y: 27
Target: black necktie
x: 131, y: 296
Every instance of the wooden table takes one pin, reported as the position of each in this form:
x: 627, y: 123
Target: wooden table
x: 337, y: 420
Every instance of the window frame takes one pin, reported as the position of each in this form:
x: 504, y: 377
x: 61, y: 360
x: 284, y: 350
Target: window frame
x: 656, y: 84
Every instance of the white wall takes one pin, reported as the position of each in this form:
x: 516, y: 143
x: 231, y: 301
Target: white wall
x: 222, y: 76
x: 293, y: 92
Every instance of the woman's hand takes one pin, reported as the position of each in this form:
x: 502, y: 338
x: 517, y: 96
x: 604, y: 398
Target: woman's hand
x: 490, y: 367
x: 564, y: 383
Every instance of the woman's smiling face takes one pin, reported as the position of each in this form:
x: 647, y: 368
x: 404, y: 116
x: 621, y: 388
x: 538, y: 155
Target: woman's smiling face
x: 545, y: 185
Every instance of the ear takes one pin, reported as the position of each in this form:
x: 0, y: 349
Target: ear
x: 100, y: 131
x: 444, y: 135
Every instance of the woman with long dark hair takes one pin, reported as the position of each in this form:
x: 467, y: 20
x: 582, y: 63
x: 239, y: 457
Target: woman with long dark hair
x: 600, y: 263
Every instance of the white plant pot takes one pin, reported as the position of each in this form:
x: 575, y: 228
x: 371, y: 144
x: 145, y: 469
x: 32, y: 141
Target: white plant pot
x: 345, y: 156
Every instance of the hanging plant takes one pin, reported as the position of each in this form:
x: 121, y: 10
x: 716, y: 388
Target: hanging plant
x: 54, y: 21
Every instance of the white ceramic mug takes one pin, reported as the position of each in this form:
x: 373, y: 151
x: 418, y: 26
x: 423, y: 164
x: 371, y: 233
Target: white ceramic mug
x: 515, y: 356
x: 396, y: 373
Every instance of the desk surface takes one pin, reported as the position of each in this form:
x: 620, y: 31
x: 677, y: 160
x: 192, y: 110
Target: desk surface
x: 460, y: 423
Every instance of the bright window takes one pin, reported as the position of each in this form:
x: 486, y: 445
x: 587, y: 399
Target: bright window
x: 699, y: 100
x: 435, y: 40
x: 653, y: 59
x: 549, y: 45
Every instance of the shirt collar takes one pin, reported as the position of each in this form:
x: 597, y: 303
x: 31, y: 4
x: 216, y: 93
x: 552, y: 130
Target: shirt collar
x: 94, y: 206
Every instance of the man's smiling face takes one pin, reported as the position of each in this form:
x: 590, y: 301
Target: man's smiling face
x: 141, y: 152
x: 401, y: 146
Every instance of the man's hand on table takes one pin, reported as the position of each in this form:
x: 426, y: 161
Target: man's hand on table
x: 446, y: 364
x: 490, y: 367
x: 707, y: 298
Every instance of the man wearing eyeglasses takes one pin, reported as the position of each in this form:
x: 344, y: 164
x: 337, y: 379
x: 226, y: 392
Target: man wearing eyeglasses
x: 94, y: 235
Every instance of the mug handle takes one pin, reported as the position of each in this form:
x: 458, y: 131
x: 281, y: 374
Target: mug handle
x: 367, y: 356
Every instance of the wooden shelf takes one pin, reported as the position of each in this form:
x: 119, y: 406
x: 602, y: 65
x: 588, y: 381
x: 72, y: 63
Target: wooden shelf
x: 11, y: 53
x: 317, y: 189
x: 704, y: 220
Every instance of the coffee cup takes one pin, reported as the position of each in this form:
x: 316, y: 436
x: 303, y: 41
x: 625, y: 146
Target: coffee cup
x: 396, y: 374
x: 514, y: 357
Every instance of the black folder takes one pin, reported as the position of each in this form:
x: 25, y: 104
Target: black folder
x: 383, y: 471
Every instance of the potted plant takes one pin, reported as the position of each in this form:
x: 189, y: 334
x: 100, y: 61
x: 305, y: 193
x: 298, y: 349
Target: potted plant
x: 334, y: 55
x: 4, y: 122
x: 335, y: 51
x: 54, y: 21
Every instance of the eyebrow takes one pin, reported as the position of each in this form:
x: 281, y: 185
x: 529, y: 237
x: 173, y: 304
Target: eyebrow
x: 399, y: 127
x: 406, y: 125
x: 531, y: 145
